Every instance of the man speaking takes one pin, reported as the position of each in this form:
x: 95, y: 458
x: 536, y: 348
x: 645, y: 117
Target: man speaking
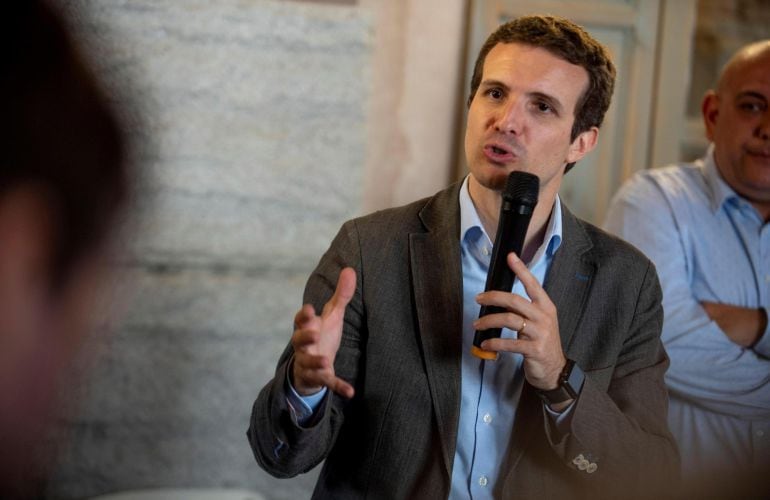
x: 379, y: 379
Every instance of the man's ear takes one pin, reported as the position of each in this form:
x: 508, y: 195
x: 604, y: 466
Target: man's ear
x: 26, y: 233
x: 710, y: 111
x: 582, y: 145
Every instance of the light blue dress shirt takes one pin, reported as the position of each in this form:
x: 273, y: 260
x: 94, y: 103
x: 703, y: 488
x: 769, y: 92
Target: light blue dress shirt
x: 708, y: 244
x: 490, y: 389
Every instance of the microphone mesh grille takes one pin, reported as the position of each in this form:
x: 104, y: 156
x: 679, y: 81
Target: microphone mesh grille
x: 523, y: 188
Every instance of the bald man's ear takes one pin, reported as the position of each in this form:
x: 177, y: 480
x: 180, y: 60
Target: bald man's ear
x: 710, y: 111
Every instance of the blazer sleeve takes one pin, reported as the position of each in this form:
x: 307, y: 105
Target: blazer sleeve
x: 621, y: 426
x: 280, y: 445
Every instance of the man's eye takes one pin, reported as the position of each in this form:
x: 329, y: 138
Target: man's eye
x: 495, y: 93
x: 751, y: 106
x: 544, y: 107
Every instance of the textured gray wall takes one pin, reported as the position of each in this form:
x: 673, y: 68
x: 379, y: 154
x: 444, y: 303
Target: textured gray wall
x: 253, y: 149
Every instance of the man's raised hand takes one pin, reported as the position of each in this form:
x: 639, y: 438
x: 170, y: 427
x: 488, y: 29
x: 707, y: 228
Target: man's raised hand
x: 316, y: 340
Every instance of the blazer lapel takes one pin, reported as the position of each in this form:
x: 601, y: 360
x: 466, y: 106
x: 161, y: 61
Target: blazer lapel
x: 570, y: 276
x: 437, y: 284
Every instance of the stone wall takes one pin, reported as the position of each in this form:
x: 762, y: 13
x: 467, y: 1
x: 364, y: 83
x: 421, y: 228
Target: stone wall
x: 250, y: 117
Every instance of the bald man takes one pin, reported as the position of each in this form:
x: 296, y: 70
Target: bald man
x: 705, y: 226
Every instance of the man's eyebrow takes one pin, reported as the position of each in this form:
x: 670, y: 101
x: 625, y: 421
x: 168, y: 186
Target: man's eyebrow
x: 751, y: 93
x: 551, y: 100
x: 493, y: 83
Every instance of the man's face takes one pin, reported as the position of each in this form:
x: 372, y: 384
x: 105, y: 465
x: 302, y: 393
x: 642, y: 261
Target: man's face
x: 737, y: 121
x: 521, y: 117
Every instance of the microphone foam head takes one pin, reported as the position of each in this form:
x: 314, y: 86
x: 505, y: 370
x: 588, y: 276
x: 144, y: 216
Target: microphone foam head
x: 522, y: 188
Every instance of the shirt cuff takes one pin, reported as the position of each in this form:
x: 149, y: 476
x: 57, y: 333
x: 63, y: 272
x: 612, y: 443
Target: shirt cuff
x: 762, y: 347
x: 561, y: 420
x: 302, y: 408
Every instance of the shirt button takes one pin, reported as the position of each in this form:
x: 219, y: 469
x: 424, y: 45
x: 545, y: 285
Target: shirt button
x: 483, y: 481
x: 485, y: 251
x: 767, y: 278
x: 760, y: 433
x: 488, y: 418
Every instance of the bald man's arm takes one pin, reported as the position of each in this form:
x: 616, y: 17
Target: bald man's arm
x: 743, y: 325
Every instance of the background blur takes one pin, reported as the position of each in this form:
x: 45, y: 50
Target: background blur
x: 264, y: 125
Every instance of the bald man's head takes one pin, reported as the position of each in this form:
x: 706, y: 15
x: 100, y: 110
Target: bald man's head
x: 737, y: 119
x: 748, y: 55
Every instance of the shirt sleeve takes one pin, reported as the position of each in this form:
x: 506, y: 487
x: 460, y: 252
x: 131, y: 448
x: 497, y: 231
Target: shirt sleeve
x: 561, y: 421
x: 707, y: 368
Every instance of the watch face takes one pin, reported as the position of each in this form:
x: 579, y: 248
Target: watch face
x: 575, y: 380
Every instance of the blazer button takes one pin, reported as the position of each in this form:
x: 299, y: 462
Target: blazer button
x: 578, y: 459
x: 591, y: 468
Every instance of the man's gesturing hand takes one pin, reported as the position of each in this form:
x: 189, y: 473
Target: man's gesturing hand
x: 537, y: 325
x: 316, y: 340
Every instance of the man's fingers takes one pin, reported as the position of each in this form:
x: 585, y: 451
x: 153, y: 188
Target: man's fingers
x: 322, y: 376
x: 507, y: 345
x: 346, y: 287
x: 308, y: 336
x: 316, y: 339
x: 510, y: 302
x: 506, y: 300
x: 507, y: 320
x: 311, y: 363
x: 303, y: 316
x: 341, y: 387
x: 531, y: 285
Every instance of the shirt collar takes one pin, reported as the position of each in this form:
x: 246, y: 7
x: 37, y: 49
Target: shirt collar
x: 469, y: 219
x: 719, y: 191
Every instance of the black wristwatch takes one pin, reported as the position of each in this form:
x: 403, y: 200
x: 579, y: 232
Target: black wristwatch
x: 570, y: 383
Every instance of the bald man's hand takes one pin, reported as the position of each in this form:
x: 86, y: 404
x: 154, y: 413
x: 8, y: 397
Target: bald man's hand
x: 742, y: 325
x: 316, y: 340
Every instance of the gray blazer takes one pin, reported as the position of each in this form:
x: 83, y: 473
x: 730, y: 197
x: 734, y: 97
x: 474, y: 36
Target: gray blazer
x: 401, y: 350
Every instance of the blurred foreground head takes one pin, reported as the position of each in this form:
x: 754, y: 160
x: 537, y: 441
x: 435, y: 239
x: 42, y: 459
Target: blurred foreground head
x: 62, y: 182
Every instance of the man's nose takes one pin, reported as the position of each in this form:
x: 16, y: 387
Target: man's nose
x: 763, y: 127
x: 510, y: 118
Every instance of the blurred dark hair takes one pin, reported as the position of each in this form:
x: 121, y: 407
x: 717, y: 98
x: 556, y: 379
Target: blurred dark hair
x: 58, y: 133
x: 570, y: 42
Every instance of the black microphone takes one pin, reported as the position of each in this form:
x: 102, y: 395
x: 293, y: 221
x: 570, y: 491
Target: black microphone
x: 519, y: 200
